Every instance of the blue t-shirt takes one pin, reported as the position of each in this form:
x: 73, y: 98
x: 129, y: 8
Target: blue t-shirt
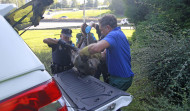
x: 118, y: 56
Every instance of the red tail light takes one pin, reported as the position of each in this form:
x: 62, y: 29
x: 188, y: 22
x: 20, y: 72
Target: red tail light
x: 33, y: 99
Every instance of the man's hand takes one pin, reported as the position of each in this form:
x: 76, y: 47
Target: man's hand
x: 62, y: 42
x: 84, y: 52
x: 92, y: 24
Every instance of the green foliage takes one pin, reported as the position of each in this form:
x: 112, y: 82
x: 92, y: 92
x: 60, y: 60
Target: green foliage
x: 62, y: 4
x: 117, y: 6
x: 163, y: 104
x: 107, y: 2
x: 89, y: 3
x: 170, y: 72
x: 74, y: 3
x: 164, y: 54
x: 7, y: 1
x: 96, y: 3
x: 19, y: 3
x: 162, y: 38
x: 141, y: 10
x: 156, y: 26
x: 136, y: 11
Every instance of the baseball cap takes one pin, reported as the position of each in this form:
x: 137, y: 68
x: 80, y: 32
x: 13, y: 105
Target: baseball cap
x: 67, y: 32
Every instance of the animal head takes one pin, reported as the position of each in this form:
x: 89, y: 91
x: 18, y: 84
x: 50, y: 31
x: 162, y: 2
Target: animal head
x: 85, y: 65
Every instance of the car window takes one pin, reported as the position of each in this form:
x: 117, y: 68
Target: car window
x: 28, y: 15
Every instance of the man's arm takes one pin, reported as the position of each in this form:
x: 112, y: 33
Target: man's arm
x: 80, y: 42
x: 98, y: 47
x: 50, y: 41
x: 89, y: 27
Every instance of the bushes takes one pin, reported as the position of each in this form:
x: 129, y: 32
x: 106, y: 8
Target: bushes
x: 170, y: 72
x: 165, y: 56
x: 162, y: 104
x: 163, y: 41
x: 162, y: 48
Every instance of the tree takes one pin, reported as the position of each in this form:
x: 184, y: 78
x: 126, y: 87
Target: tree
x: 172, y: 10
x: 10, y: 1
x: 117, y: 6
x: 162, y: 31
x: 64, y: 3
x: 89, y: 3
x: 52, y: 6
x: 107, y: 2
x: 7, y: 1
x: 17, y: 2
x: 61, y: 4
x: 96, y: 3
x: 136, y: 11
x: 74, y: 3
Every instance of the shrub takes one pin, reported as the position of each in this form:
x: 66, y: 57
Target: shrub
x: 162, y: 104
x: 164, y: 56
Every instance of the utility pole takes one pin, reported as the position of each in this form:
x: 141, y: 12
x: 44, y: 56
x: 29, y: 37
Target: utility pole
x: 84, y: 12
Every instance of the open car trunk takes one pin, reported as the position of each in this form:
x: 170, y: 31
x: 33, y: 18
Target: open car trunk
x: 90, y: 94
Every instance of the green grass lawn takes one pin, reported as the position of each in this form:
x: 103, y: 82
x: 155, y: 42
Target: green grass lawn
x: 79, y: 14
x: 34, y: 38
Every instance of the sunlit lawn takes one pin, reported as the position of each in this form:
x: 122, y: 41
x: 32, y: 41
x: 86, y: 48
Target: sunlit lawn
x: 34, y: 38
x: 79, y: 14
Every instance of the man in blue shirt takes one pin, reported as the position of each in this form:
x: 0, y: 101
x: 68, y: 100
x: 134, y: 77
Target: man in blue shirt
x: 116, y: 51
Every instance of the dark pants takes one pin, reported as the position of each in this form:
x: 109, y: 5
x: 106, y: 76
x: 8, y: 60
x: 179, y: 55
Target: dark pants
x: 120, y: 83
x: 102, y: 69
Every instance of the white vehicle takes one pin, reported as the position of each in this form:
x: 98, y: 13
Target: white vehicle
x: 75, y: 9
x: 25, y: 85
x: 124, y: 21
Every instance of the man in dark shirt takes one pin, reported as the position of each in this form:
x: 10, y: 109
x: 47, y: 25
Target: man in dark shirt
x: 61, y: 51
